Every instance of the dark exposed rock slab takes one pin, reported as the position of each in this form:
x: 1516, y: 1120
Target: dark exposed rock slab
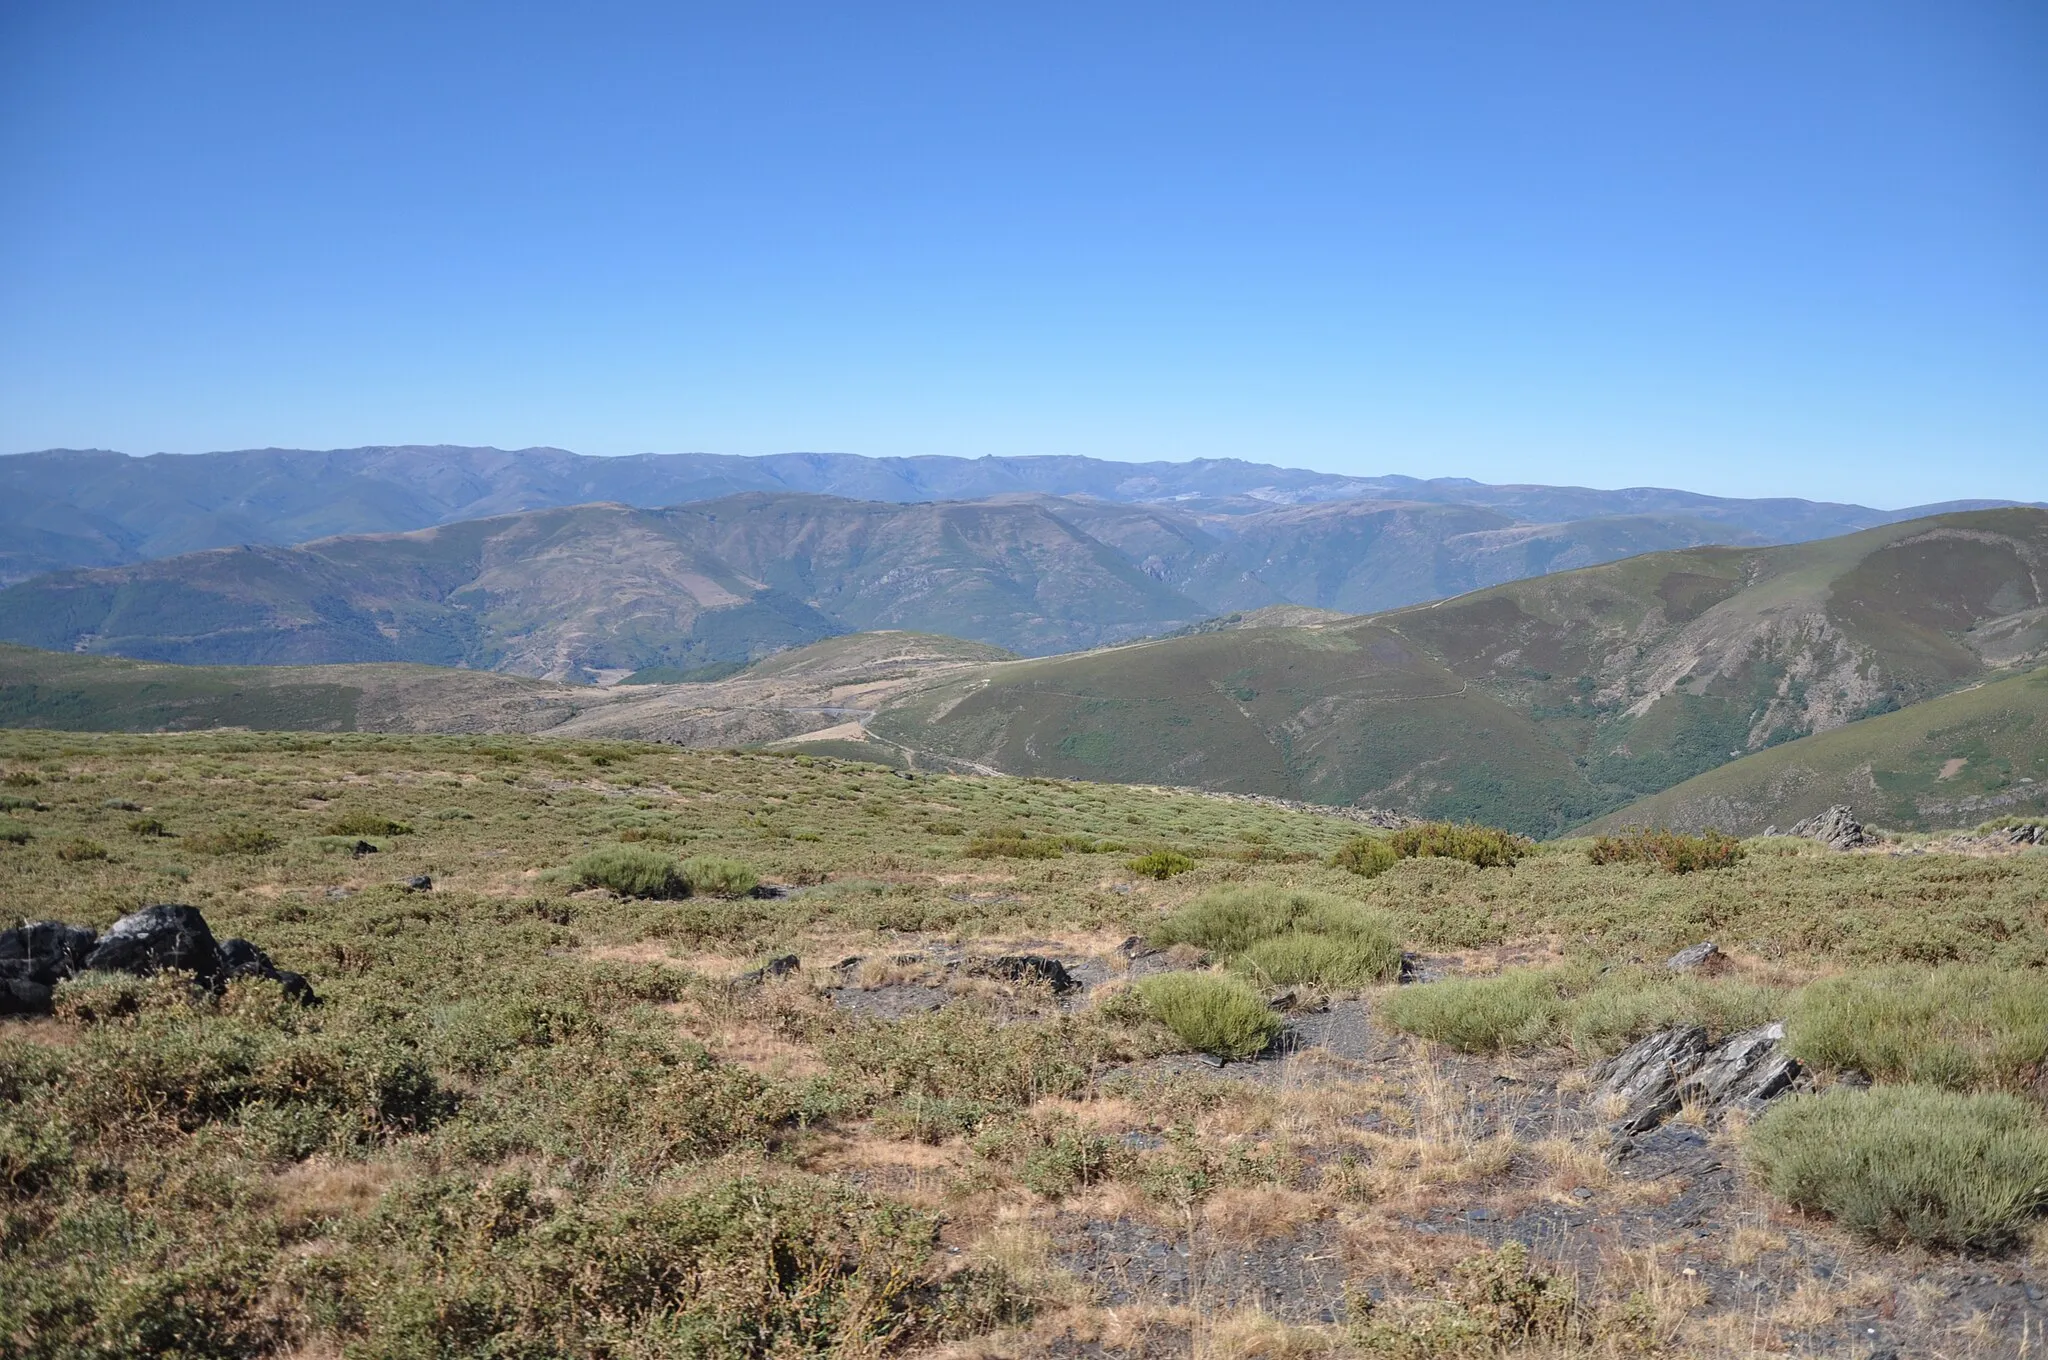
x: 1660, y: 1073
x: 780, y: 966
x: 1704, y: 957
x: 47, y: 951
x: 158, y: 938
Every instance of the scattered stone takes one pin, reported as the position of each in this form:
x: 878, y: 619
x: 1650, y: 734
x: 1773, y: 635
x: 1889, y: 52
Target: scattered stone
x: 1837, y: 828
x: 46, y: 950
x: 361, y: 848
x: 780, y: 966
x: 1210, y: 1060
x: 1281, y: 1001
x: 1704, y: 957
x: 336, y: 894
x: 1135, y: 948
x: 418, y: 883
x: 239, y: 958
x: 1028, y: 968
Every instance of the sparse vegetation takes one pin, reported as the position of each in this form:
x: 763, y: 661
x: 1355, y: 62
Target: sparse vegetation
x: 1910, y: 1163
x: 233, y: 840
x: 364, y: 823
x: 511, y: 1080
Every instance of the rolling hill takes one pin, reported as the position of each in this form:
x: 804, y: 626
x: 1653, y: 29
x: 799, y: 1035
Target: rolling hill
x: 64, y: 508
x: 1950, y: 761
x: 1536, y: 704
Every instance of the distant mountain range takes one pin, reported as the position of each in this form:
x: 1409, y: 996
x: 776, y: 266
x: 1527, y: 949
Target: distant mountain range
x: 91, y: 508
x: 1898, y: 668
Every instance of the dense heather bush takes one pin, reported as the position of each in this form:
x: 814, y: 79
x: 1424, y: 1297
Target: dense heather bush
x: 1668, y: 850
x: 1485, y: 847
x: 1366, y: 856
x: 1160, y: 864
x: 631, y: 871
x: 1212, y: 1013
x: 1909, y: 1163
x: 1289, y: 936
x: 14, y: 833
x: 1960, y: 1026
x: 716, y: 876
x: 1007, y: 843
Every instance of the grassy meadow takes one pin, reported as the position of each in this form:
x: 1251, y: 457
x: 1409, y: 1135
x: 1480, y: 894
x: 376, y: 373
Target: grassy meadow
x: 543, y: 1111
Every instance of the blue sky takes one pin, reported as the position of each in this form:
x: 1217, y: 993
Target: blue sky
x: 1747, y: 248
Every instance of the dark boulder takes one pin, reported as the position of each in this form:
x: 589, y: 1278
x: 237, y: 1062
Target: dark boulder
x: 781, y: 966
x: 1029, y: 968
x: 157, y: 938
x: 21, y: 994
x: 419, y: 883
x: 240, y: 958
x: 48, y: 951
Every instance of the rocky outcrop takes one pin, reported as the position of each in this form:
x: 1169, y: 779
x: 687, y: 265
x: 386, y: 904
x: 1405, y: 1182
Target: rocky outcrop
x: 1656, y: 1076
x: 37, y: 956
x: 1837, y: 828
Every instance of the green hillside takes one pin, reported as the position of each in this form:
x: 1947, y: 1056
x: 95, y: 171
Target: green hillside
x: 70, y: 692
x: 1534, y: 704
x: 1948, y: 762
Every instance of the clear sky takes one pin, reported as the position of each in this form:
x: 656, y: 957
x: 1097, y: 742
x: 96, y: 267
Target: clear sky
x: 1748, y: 248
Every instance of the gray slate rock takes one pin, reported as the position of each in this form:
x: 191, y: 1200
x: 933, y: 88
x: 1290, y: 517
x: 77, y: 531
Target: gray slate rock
x: 1704, y: 957
x: 171, y: 935
x: 239, y: 958
x: 1744, y: 1070
x: 1837, y: 828
x: 1659, y: 1074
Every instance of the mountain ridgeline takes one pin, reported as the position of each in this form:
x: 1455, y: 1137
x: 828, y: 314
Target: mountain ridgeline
x: 594, y: 591
x: 91, y: 508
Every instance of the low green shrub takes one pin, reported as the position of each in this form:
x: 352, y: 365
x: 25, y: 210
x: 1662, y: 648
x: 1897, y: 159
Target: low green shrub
x: 716, y: 876
x: 1231, y: 920
x: 1960, y: 1026
x: 1161, y: 864
x: 1670, y: 851
x: 81, y: 851
x: 1909, y: 1163
x: 1211, y: 1013
x: 1366, y: 856
x: 13, y: 802
x: 14, y: 833
x: 1598, y: 1012
x: 1327, y: 961
x: 1484, y: 847
x: 631, y: 871
x: 363, y: 823
x: 233, y: 840
x: 1499, y: 1303
x: 148, y: 827
x: 1517, y: 1009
